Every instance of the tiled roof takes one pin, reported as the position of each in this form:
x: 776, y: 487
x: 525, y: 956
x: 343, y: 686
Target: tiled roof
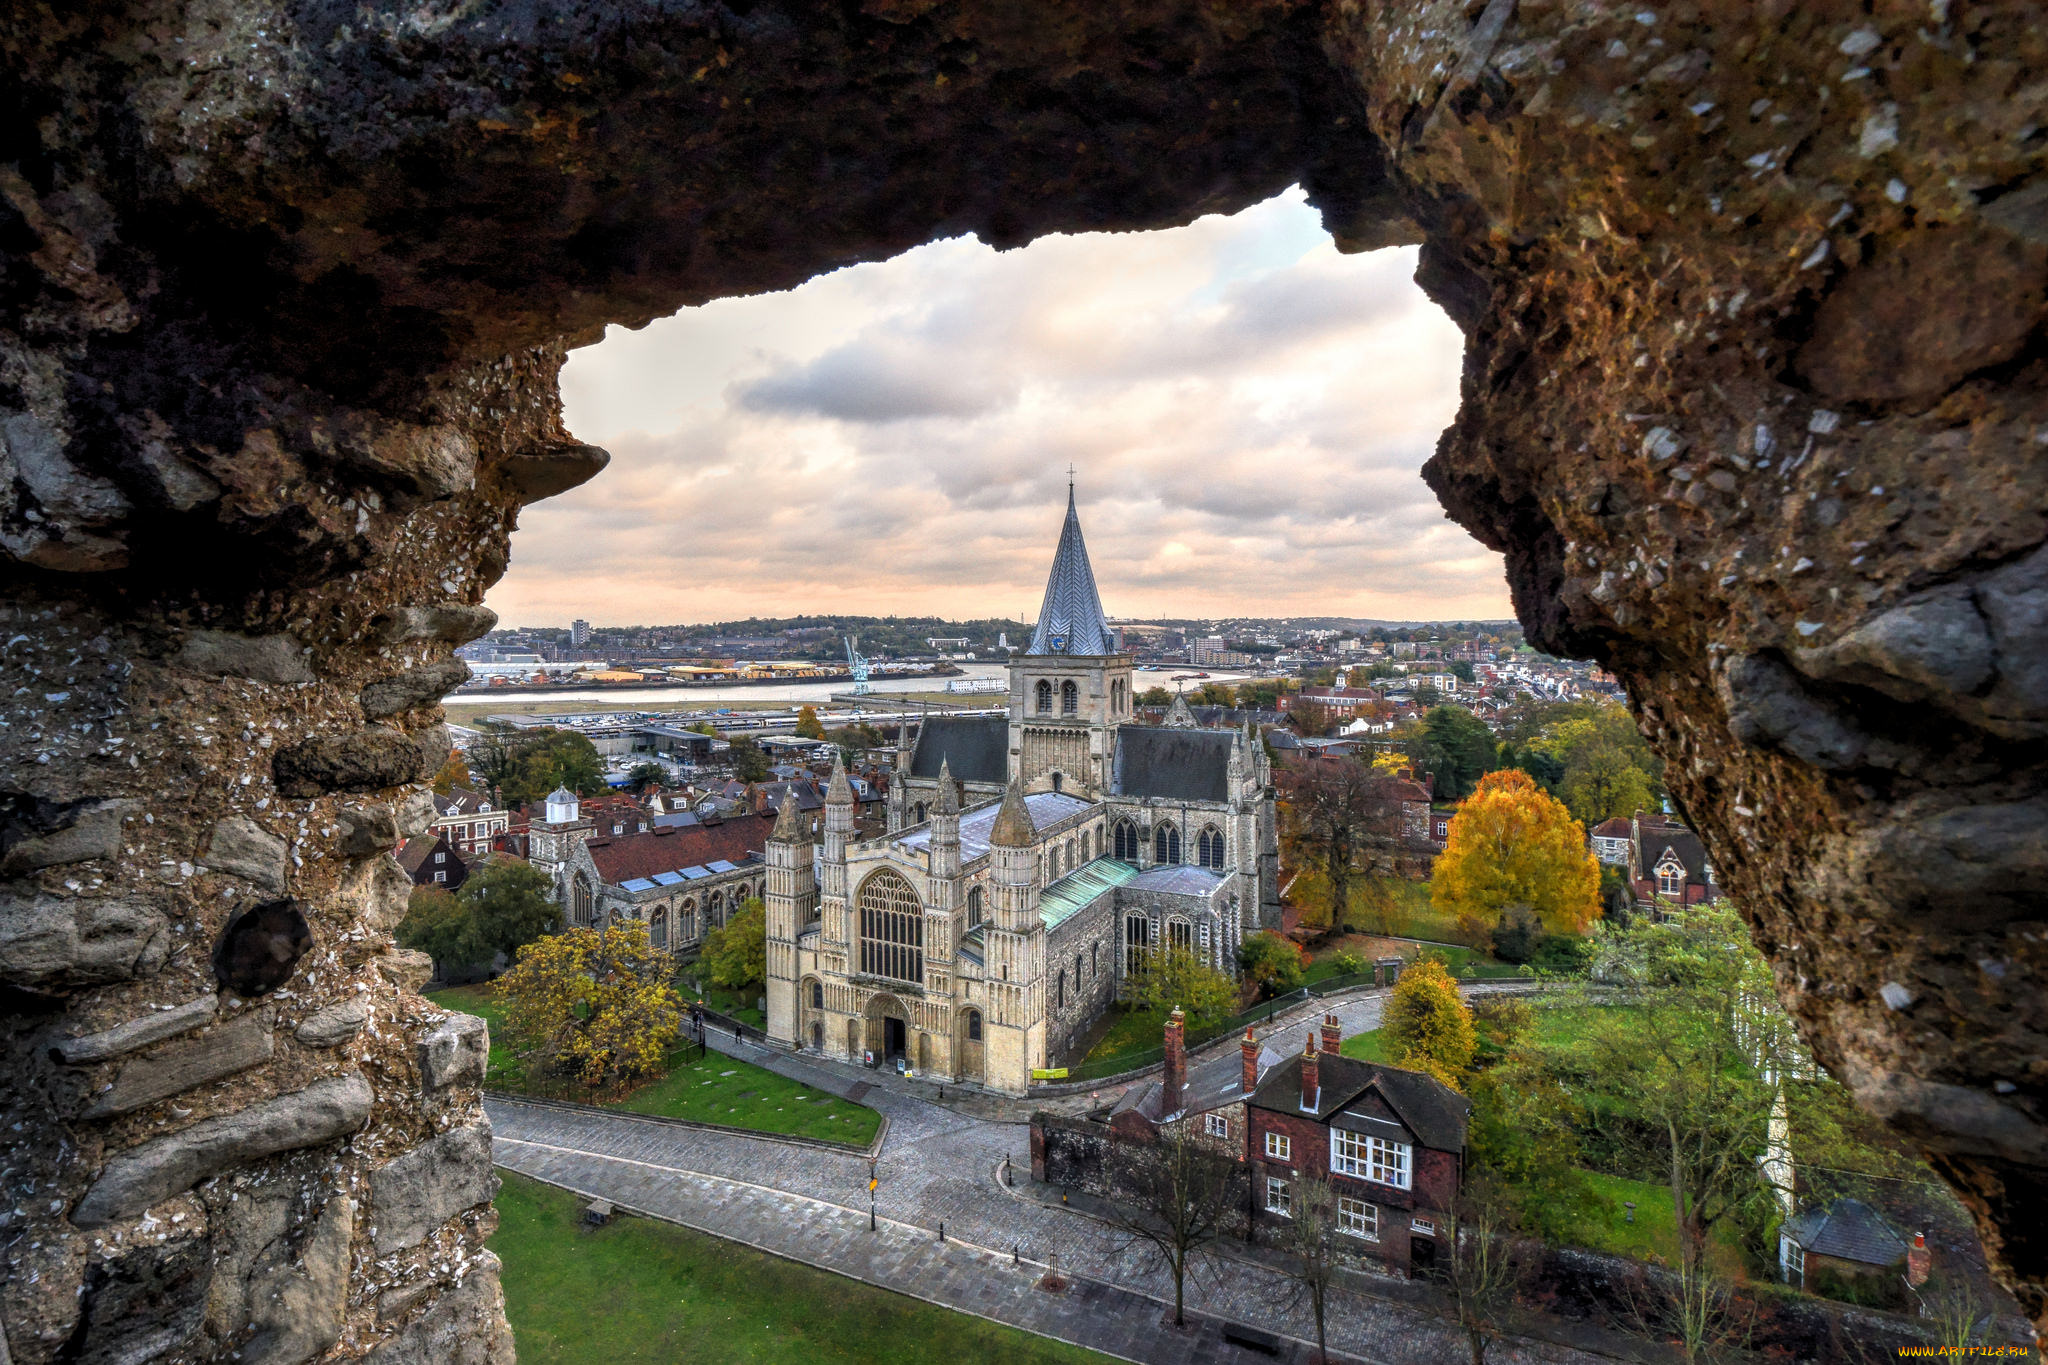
x: 1432, y: 1111
x: 1190, y: 765
x: 1616, y: 828
x: 1070, y: 620
x: 643, y: 856
x: 1849, y: 1230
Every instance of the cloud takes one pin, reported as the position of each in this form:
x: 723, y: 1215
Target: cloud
x: 1247, y: 410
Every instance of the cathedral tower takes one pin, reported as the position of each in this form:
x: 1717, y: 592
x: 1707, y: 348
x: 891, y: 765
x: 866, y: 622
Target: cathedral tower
x: 1071, y: 687
x: 791, y: 901
x: 1015, y: 948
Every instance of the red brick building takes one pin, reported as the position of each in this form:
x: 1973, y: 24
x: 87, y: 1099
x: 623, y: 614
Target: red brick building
x: 1391, y: 1142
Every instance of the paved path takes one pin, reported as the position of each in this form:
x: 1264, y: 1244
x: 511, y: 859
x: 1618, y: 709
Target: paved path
x: 939, y: 1166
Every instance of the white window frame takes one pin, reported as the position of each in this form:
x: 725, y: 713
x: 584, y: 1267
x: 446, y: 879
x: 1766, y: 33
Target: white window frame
x: 1279, y: 1199
x: 1216, y: 1125
x: 1357, y: 1218
x: 1425, y: 1226
x: 440, y: 877
x: 1363, y: 1157
x: 1279, y: 1147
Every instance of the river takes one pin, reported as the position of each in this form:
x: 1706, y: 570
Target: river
x: 698, y: 698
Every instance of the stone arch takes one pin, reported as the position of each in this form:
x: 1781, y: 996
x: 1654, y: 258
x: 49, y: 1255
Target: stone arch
x: 1165, y: 843
x: 1127, y: 841
x: 1043, y: 696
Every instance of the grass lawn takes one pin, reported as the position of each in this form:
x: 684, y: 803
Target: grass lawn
x: 1600, y: 1223
x: 1366, y: 1047
x: 648, y: 1291
x: 722, y: 1089
x: 1131, y: 1031
x: 718, y: 1089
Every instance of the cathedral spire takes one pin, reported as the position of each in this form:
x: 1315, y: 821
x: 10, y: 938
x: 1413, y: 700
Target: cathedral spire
x: 1070, y: 621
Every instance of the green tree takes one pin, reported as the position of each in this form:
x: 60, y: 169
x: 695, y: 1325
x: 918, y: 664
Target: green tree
x: 1168, y: 977
x: 440, y: 926
x: 1617, y: 897
x: 1599, y: 746
x: 1272, y: 963
x: 510, y: 903
x: 1461, y: 670
x: 1603, y: 784
x: 541, y: 760
x: 645, y: 775
x: 736, y: 954
x: 1155, y: 696
x: 1457, y: 748
x: 808, y: 726
x: 749, y: 764
x: 1428, y: 1025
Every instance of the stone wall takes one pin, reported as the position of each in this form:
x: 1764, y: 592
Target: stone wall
x: 1753, y: 404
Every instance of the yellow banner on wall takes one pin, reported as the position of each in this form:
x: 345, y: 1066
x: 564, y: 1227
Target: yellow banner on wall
x: 1048, y: 1073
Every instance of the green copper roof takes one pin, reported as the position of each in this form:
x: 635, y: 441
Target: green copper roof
x: 1080, y: 888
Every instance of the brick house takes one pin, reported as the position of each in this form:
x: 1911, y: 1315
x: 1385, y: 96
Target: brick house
x: 1390, y: 1141
x: 1667, y: 864
x: 470, y: 821
x: 1210, y: 1098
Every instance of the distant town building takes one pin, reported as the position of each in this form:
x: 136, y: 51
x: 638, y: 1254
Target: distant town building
x: 579, y: 633
x: 469, y: 821
x: 433, y: 861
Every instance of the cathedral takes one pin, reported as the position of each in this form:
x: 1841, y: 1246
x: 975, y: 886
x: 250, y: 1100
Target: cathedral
x: 1029, y: 861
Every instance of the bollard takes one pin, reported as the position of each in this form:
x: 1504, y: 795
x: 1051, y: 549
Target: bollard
x: 1014, y: 1259
x: 942, y: 1229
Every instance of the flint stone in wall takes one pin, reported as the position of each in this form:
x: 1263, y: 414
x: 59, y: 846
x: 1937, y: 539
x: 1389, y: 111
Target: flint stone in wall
x: 434, y: 461
x: 406, y: 968
x: 334, y: 1025
x: 245, y: 849
x: 150, y: 1028
x: 365, y: 761
x: 456, y: 1051
x: 413, y: 1194
x: 415, y: 814
x: 465, y: 1326
x: 52, y: 943
x: 233, y: 1046
x: 158, y: 1169
x: 260, y: 947
x: 414, y: 687
x: 382, y: 891
x: 456, y: 622
x: 265, y: 658
x: 367, y: 831
x: 92, y: 831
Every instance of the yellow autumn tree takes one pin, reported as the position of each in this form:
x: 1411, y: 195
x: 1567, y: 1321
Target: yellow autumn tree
x: 1428, y: 1025
x: 454, y: 773
x: 1513, y: 844
x: 592, y: 1005
x: 808, y: 726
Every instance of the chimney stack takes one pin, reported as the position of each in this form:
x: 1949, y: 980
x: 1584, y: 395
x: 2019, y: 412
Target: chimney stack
x: 1176, y: 1077
x: 1311, y: 1076
x: 1919, y: 1260
x: 1333, y: 1033
x: 1250, y: 1048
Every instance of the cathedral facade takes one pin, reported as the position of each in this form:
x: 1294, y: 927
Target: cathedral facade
x: 1028, y: 864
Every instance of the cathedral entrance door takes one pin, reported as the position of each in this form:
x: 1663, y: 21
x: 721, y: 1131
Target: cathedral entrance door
x: 892, y: 1038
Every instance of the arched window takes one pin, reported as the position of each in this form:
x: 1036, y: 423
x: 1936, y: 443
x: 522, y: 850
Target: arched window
x: 715, y: 907
x: 1061, y: 1002
x: 1137, y: 938
x: 817, y: 995
x: 1078, y: 960
x: 973, y: 1026
x: 1071, y: 864
x: 582, y: 905
x: 1070, y: 698
x: 917, y: 814
x: 891, y: 928
x: 1126, y: 841
x: 1165, y: 843
x: 1209, y: 847
x: 1087, y: 845
x: 657, y: 929
x: 974, y: 907
x: 1044, y: 696
x: 1180, y: 934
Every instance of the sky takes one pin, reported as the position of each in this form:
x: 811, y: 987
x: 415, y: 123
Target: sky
x: 1245, y: 409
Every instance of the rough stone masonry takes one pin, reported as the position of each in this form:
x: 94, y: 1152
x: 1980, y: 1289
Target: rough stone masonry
x: 1753, y: 403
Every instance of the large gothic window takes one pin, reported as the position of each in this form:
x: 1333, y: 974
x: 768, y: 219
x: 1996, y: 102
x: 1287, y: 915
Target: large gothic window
x: 1137, y: 938
x: 1180, y: 934
x: 1126, y: 840
x: 974, y: 907
x: 1044, y: 697
x: 1165, y: 843
x: 657, y: 929
x: 891, y: 929
x: 1070, y: 698
x: 1209, y: 847
x: 582, y: 906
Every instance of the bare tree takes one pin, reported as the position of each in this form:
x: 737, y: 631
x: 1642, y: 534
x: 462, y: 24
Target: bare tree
x: 1343, y: 817
x: 1174, y: 1196
x: 1484, y: 1265
x: 1307, y: 1238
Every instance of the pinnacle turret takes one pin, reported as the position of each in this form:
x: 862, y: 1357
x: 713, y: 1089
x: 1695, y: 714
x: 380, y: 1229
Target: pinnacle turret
x: 839, y: 792
x: 789, y: 825
x: 948, y: 802
x: 1013, y: 827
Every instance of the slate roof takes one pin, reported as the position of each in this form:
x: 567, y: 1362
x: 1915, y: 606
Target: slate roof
x: 1655, y: 839
x: 1849, y: 1230
x: 1179, y: 879
x: 413, y: 856
x: 1047, y: 808
x: 976, y: 748
x: 1210, y: 1084
x: 460, y: 801
x: 1432, y: 1111
x: 1070, y: 620
x: 1187, y: 765
x: 632, y: 857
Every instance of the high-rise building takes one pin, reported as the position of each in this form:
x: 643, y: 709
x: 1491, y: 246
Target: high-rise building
x: 579, y: 633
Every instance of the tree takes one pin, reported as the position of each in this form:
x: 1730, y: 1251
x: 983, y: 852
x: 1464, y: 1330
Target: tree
x: 541, y: 760
x: 1313, y: 721
x: 1344, y: 819
x: 1597, y: 746
x: 1461, y: 670
x: 1428, y: 696
x: 1516, y: 936
x: 1170, y: 977
x: 1155, y: 696
x: 1617, y: 897
x: 440, y: 926
x: 1513, y: 844
x: 1485, y: 1262
x: 808, y: 726
x: 1605, y: 784
x: 1308, y: 1239
x: 595, y: 1005
x: 1456, y: 746
x: 737, y: 953
x: 645, y: 775
x: 1428, y: 1025
x: 454, y: 773
x: 1271, y: 962
x: 1179, y: 1190
x: 510, y: 903
x: 749, y: 764
x: 489, y: 759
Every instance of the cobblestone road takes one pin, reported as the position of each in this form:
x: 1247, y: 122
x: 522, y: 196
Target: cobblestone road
x: 939, y: 1166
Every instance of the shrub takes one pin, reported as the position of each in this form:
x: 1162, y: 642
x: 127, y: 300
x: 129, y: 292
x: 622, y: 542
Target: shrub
x: 1562, y: 954
x: 1516, y: 936
x: 1273, y: 964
